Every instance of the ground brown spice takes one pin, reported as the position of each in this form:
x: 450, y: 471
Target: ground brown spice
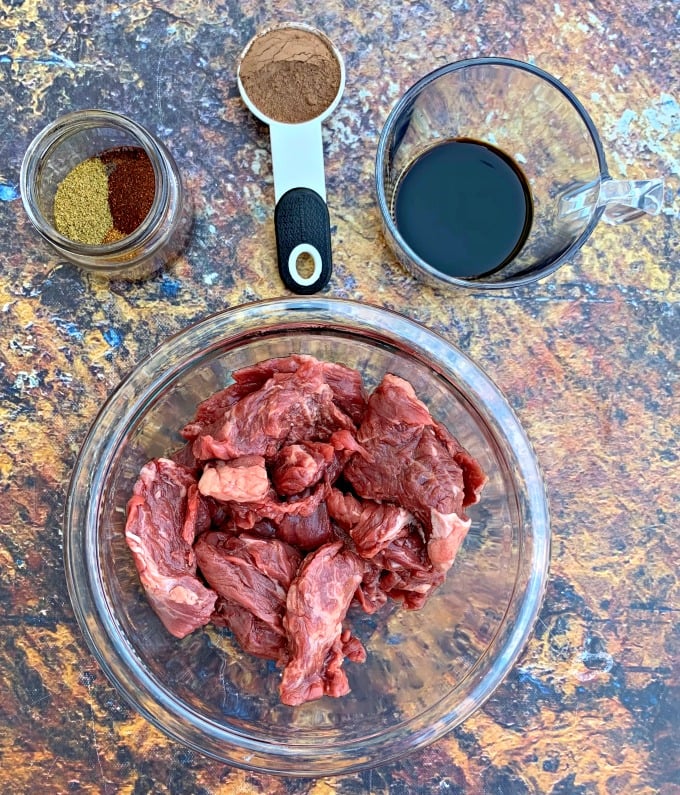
x: 291, y: 75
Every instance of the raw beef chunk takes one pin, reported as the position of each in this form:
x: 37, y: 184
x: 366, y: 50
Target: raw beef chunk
x: 345, y: 383
x: 165, y: 513
x: 413, y: 466
x: 253, y: 635
x: 408, y: 574
x: 287, y: 409
x: 249, y: 571
x: 348, y: 389
x: 316, y: 606
x: 401, y: 571
x: 371, y: 525
x: 214, y: 408
x: 474, y: 478
x: 299, y: 466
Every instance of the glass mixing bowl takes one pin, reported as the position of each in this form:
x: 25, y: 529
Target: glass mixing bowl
x: 426, y: 670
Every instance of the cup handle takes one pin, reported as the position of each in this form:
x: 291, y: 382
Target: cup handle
x: 625, y: 200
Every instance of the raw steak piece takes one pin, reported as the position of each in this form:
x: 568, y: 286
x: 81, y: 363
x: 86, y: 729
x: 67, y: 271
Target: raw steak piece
x: 413, y: 466
x: 164, y: 515
x: 348, y: 389
x: 474, y: 477
x: 408, y: 574
x: 346, y: 384
x: 306, y: 532
x: 242, y: 479
x: 249, y: 571
x: 254, y: 636
x: 274, y: 558
x: 316, y: 605
x: 288, y: 408
x: 371, y: 525
x: 214, y: 408
x: 299, y: 466
x: 401, y: 571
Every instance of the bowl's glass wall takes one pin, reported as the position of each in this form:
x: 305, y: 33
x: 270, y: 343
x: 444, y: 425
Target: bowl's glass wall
x: 425, y: 669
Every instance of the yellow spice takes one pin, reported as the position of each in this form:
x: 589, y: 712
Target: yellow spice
x: 81, y: 203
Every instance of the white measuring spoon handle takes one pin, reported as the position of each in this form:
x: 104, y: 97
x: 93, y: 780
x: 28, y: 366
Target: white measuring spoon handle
x: 297, y: 157
x: 301, y: 217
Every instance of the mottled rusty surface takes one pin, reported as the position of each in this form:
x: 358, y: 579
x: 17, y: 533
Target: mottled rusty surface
x: 588, y: 359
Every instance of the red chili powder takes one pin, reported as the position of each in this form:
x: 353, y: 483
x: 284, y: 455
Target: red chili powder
x: 132, y: 186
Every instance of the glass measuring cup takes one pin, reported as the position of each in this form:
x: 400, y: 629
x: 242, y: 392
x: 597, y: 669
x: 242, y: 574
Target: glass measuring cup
x: 537, y: 122
x: 301, y: 219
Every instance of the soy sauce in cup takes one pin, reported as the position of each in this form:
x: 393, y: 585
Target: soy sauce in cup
x: 464, y: 206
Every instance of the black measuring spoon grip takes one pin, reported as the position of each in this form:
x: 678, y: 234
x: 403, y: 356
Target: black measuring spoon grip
x: 303, y: 233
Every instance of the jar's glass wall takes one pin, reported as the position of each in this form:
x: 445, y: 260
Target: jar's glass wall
x: 79, y: 136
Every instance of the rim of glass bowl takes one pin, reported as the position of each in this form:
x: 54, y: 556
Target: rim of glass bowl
x: 107, y: 641
x: 386, y: 134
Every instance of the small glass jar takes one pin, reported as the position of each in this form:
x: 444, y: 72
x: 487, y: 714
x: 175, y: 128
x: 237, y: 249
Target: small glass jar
x: 77, y: 136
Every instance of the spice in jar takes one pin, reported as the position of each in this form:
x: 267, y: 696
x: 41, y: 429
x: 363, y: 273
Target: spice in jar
x: 81, y: 204
x: 106, y: 197
x: 290, y: 74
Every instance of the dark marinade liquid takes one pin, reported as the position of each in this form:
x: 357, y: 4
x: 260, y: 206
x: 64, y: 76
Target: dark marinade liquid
x: 464, y: 207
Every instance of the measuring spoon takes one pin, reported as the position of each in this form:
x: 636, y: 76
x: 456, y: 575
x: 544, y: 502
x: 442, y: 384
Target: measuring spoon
x: 301, y: 219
